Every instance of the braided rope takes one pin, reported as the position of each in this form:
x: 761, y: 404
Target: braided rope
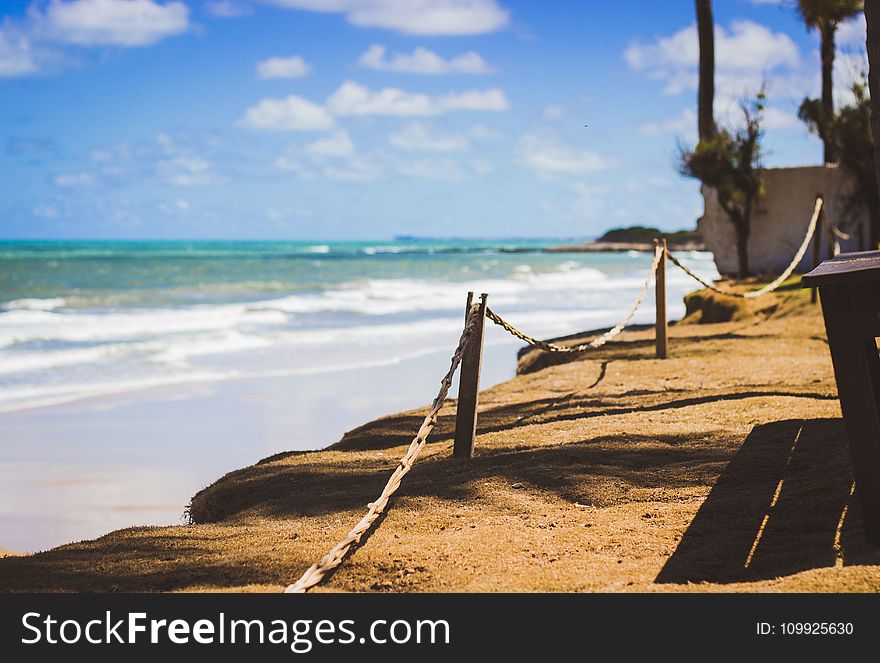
x: 596, y: 342
x: 318, y: 571
x: 770, y: 287
x: 839, y: 234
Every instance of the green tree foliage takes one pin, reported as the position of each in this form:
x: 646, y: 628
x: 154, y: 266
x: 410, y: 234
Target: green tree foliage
x: 730, y: 163
x: 825, y: 16
x: 852, y: 140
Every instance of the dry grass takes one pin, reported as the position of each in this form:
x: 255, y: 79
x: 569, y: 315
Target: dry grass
x: 610, y: 472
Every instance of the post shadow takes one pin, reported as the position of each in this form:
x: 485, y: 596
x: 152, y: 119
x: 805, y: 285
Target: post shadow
x: 752, y: 527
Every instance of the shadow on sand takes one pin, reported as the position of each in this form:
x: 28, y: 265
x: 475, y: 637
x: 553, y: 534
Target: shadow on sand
x: 782, y: 505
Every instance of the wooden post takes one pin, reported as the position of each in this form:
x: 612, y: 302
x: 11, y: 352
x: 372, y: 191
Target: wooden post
x: 660, y: 301
x: 817, y: 249
x: 469, y: 386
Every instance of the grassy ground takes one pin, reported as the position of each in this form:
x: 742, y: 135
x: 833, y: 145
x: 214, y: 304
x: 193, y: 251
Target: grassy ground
x: 722, y: 468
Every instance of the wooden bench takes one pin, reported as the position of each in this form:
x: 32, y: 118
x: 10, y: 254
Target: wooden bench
x: 849, y: 287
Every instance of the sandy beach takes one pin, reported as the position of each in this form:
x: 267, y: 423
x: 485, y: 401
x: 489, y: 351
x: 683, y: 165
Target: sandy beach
x: 613, y: 471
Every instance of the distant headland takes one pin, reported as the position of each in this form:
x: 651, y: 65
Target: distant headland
x: 636, y: 238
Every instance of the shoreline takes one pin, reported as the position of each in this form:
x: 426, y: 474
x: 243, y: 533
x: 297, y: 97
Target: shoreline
x: 91, y: 465
x: 612, y: 471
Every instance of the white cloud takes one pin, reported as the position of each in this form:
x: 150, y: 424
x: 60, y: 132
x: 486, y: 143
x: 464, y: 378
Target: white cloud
x: 747, y: 45
x: 114, y: 22
x: 444, y: 169
x: 775, y: 118
x: 180, y: 159
x: 16, y: 53
x: 178, y: 164
x: 547, y: 155
x: 588, y: 200
x: 849, y: 69
x: 684, y: 125
x: 45, y: 211
x: 283, y: 67
x: 227, y: 8
x: 483, y: 132
x: 176, y: 207
x: 482, y: 166
x: 354, y: 170
x: 416, y: 137
x: 422, y: 17
x: 742, y: 55
x: 75, y: 180
x: 186, y: 171
x: 30, y: 46
x: 553, y: 112
x: 748, y: 55
x: 336, y: 145
x: 423, y: 61
x: 355, y: 99
x: 474, y: 100
x: 333, y: 157
x: 290, y: 114
x: 118, y: 152
x: 852, y: 33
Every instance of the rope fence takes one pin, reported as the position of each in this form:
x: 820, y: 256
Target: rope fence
x: 318, y: 571
x: 596, y: 342
x: 778, y: 281
x: 839, y: 234
x: 468, y: 357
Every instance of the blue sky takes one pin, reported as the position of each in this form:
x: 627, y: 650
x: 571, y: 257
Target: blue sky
x: 362, y: 119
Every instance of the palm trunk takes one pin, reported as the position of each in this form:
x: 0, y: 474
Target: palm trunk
x: 827, y: 29
x: 872, y: 17
x: 706, y: 93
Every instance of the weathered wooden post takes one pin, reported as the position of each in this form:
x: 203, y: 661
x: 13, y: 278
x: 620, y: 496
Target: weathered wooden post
x: 817, y: 250
x: 660, y: 301
x: 469, y: 385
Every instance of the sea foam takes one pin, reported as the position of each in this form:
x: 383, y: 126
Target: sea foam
x: 53, y: 353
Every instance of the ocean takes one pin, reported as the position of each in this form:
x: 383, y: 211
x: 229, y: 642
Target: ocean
x: 134, y: 373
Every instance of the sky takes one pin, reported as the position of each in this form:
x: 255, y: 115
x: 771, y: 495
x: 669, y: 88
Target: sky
x: 366, y: 119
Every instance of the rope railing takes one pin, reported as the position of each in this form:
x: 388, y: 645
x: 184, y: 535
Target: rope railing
x: 596, y: 342
x: 770, y: 287
x: 319, y: 570
x: 468, y: 355
x: 839, y: 234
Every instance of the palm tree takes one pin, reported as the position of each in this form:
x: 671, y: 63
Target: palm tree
x: 706, y: 93
x: 872, y: 18
x: 825, y: 16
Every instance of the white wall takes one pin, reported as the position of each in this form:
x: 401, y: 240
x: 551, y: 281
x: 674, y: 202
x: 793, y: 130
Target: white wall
x: 780, y: 219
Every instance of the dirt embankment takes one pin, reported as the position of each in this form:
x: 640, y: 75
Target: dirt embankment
x: 722, y: 468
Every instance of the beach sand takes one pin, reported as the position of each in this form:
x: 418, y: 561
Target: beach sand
x: 722, y: 468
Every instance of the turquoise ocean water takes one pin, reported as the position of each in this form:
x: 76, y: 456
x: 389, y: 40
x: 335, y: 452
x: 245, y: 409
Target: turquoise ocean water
x: 81, y: 319
x: 132, y: 374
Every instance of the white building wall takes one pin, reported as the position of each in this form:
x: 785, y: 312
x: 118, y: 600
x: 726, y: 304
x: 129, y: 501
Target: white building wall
x: 780, y: 219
